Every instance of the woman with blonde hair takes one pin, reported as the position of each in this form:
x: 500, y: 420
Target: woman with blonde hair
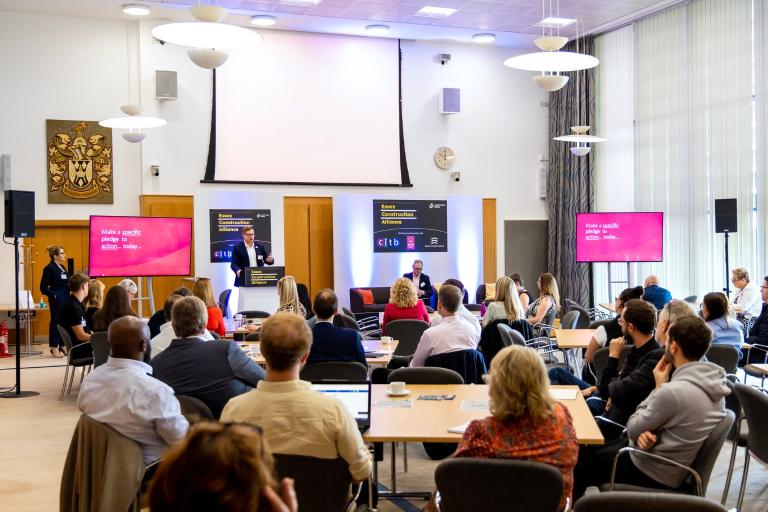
x: 507, y: 304
x: 289, y: 297
x: 404, y: 304
x: 93, y: 301
x: 203, y: 290
x: 525, y: 423
x: 544, y: 309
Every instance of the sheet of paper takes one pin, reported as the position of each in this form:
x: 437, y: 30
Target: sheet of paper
x: 475, y: 405
x: 382, y: 402
x: 564, y: 394
x: 459, y: 429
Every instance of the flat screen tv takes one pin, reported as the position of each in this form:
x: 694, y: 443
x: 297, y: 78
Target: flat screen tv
x: 620, y: 236
x: 139, y: 246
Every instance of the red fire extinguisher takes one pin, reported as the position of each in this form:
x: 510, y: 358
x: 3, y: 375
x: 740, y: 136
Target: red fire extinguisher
x: 4, y: 340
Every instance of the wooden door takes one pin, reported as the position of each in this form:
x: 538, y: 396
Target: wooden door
x: 309, y: 241
x: 489, y: 240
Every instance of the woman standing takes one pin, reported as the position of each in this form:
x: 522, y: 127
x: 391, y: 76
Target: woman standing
x: 544, y: 309
x: 507, y: 305
x: 289, y: 297
x: 53, y: 284
x: 204, y: 291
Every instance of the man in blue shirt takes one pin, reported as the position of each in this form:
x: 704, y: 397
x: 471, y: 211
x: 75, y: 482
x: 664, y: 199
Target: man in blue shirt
x: 655, y: 294
x: 331, y: 343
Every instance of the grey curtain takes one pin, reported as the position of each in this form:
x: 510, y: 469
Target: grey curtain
x: 570, y: 187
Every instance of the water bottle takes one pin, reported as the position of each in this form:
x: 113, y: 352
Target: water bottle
x: 42, y: 303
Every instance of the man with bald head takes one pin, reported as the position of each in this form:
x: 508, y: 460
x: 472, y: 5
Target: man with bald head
x: 655, y: 294
x: 123, y: 394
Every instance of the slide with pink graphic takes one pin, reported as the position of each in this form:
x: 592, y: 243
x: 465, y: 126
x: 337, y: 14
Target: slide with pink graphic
x: 620, y: 236
x: 139, y: 246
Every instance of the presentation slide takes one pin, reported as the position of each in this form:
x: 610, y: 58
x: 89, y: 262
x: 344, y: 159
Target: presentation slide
x: 226, y: 230
x: 139, y: 246
x: 619, y: 237
x: 410, y: 226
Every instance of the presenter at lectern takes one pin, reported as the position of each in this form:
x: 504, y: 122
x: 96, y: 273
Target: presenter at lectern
x: 248, y: 253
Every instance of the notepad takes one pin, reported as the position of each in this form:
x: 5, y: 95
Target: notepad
x: 382, y: 402
x: 459, y: 429
x: 474, y: 405
x: 564, y: 394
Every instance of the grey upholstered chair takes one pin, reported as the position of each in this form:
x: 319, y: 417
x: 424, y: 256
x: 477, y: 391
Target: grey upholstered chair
x: 335, y: 370
x: 322, y: 485
x: 754, y: 402
x: 510, y: 336
x: 426, y: 376
x: 725, y: 356
x: 194, y: 409
x: 79, y: 356
x: 644, y: 502
x: 569, y: 320
x: 100, y: 346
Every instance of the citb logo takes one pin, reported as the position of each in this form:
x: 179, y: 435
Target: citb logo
x: 387, y: 242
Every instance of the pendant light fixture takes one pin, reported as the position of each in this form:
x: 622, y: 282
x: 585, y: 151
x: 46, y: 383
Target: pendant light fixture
x: 207, y: 37
x: 550, y: 61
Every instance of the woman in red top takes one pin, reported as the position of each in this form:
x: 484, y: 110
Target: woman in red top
x: 404, y: 304
x: 204, y: 291
x: 526, y: 423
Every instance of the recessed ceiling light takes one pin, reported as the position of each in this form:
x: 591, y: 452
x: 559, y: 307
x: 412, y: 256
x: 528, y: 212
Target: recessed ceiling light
x: 303, y: 3
x: 552, y: 22
x: 484, y: 38
x: 435, y: 12
x: 263, y: 20
x: 136, y: 9
x: 377, y: 30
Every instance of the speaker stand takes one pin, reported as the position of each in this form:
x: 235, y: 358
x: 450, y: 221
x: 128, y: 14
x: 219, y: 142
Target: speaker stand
x: 727, y: 268
x: 16, y: 392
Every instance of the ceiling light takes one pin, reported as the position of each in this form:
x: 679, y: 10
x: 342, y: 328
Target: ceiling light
x: 134, y: 122
x: 581, y: 139
x: 552, y: 61
x: 136, y: 9
x: 435, y: 12
x: 207, y: 58
x: 263, y: 20
x: 304, y: 3
x: 377, y: 30
x: 550, y: 83
x: 554, y: 22
x: 202, y: 34
x: 484, y: 38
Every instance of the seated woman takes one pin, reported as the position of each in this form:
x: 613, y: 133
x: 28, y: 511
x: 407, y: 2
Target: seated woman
x: 117, y: 304
x: 607, y: 332
x: 289, y: 297
x: 93, y: 301
x: 726, y: 330
x: 204, y: 291
x: 525, y: 296
x: 525, y: 422
x: 404, y: 304
x: 224, y: 467
x: 544, y: 309
x: 506, y: 305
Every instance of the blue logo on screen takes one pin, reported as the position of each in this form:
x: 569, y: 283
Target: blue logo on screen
x: 387, y: 242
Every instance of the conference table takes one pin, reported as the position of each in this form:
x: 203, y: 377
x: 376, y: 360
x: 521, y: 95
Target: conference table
x: 408, y: 419
x: 380, y: 353
x: 572, y: 341
x: 608, y: 306
x: 25, y: 319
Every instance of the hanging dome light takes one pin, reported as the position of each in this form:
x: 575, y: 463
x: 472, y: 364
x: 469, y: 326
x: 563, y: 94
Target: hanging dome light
x: 581, y: 139
x: 134, y: 122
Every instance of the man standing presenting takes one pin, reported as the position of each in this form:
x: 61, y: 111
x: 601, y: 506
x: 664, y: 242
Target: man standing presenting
x: 248, y: 253
x: 420, y: 281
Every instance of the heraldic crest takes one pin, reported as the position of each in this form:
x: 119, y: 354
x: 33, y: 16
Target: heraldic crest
x: 79, y: 162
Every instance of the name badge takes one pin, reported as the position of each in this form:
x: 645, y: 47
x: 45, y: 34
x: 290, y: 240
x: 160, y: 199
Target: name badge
x: 63, y: 276
x: 259, y: 257
x: 421, y: 284
x: 82, y: 322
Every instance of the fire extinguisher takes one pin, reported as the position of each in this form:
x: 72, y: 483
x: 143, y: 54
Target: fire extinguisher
x: 4, y: 340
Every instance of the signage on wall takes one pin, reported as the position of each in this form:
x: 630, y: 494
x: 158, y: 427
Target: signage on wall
x: 263, y: 276
x: 226, y: 227
x: 410, y: 226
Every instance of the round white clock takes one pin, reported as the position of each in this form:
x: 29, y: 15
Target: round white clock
x: 444, y: 157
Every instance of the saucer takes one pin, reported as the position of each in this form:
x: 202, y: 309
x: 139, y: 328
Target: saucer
x: 404, y: 393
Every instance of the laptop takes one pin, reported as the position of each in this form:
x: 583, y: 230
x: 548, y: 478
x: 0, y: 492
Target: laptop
x: 355, y: 395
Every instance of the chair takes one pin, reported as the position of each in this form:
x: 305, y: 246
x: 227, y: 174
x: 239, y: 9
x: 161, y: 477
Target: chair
x: 345, y: 321
x: 224, y: 302
x: 470, y: 364
x: 254, y: 336
x: 691, y: 299
x: 322, y: 485
x: 725, y: 356
x: 103, y: 470
x: 699, y: 471
x: 425, y: 376
x: 254, y: 314
x: 598, y: 323
x: 600, y: 360
x: 79, y: 356
x: 510, y: 336
x: 643, y: 502
x: 569, y: 320
x: 755, y: 405
x: 194, y: 409
x: 738, y: 435
x: 334, y: 370
x: 408, y: 333
x: 584, y: 317
x: 100, y: 346
x: 498, y: 485
x: 215, y: 335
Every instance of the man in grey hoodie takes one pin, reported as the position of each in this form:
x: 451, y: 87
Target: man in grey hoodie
x: 673, y: 421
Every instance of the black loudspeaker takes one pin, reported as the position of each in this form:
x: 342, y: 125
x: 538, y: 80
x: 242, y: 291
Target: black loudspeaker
x: 725, y: 216
x: 19, y: 214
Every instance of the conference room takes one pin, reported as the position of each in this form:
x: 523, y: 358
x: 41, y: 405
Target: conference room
x: 384, y: 255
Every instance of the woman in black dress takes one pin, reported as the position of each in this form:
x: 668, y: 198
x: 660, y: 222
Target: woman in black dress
x: 54, y: 285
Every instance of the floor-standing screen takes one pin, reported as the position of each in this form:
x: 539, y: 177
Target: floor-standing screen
x: 410, y: 225
x: 139, y: 246
x: 620, y: 236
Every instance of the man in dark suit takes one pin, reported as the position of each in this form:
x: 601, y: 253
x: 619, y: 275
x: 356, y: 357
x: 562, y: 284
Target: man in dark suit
x: 331, y: 343
x: 248, y: 253
x: 420, y: 281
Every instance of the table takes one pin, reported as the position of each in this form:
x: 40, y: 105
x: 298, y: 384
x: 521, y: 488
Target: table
x: 571, y: 341
x: 25, y: 315
x: 368, y: 345
x: 608, y: 306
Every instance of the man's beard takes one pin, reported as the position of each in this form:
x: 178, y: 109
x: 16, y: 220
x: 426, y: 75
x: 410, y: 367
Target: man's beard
x: 667, y: 355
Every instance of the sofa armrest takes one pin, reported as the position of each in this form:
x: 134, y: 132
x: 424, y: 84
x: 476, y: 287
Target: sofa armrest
x: 355, y: 301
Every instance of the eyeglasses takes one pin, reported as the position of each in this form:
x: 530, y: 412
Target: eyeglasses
x: 418, y: 268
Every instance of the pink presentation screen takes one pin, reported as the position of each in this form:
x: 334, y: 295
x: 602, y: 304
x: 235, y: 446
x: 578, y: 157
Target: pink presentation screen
x: 139, y: 246
x: 620, y: 236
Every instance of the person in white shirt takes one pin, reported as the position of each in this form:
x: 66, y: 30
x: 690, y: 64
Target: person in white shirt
x: 295, y: 419
x: 745, y: 297
x: 167, y: 334
x: 123, y: 394
x: 506, y: 305
x: 451, y: 334
x: 462, y: 312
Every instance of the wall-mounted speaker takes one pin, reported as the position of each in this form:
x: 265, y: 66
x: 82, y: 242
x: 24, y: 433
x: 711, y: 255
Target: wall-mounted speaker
x: 19, y: 214
x: 5, y: 172
x: 542, y: 183
x: 726, y: 216
x: 449, y: 100
x: 166, y: 85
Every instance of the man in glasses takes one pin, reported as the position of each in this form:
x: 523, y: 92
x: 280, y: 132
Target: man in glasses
x: 420, y: 281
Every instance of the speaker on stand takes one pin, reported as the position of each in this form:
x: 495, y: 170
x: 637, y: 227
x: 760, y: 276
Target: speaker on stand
x: 726, y: 221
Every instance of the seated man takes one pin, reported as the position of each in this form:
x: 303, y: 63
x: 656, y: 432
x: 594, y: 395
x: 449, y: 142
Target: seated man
x: 72, y: 313
x: 674, y: 421
x: 157, y: 320
x: 451, y: 334
x: 166, y: 335
x: 211, y: 371
x: 462, y: 312
x: 295, y: 419
x: 758, y: 334
x: 654, y: 293
x: 420, y: 281
x: 625, y: 389
x: 331, y: 343
x: 123, y: 394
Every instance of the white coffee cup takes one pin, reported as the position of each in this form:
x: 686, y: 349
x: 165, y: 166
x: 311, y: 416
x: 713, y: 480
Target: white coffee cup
x: 397, y: 388
x: 386, y: 339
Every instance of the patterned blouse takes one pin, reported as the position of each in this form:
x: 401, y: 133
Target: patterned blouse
x: 552, y: 441
x: 288, y: 308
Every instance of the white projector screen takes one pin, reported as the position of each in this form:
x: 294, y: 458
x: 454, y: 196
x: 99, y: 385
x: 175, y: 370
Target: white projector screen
x: 311, y: 109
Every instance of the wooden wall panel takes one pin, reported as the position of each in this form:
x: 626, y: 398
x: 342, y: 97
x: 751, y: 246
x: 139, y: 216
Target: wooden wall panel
x: 321, y: 243
x: 489, y: 240
x: 296, y: 236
